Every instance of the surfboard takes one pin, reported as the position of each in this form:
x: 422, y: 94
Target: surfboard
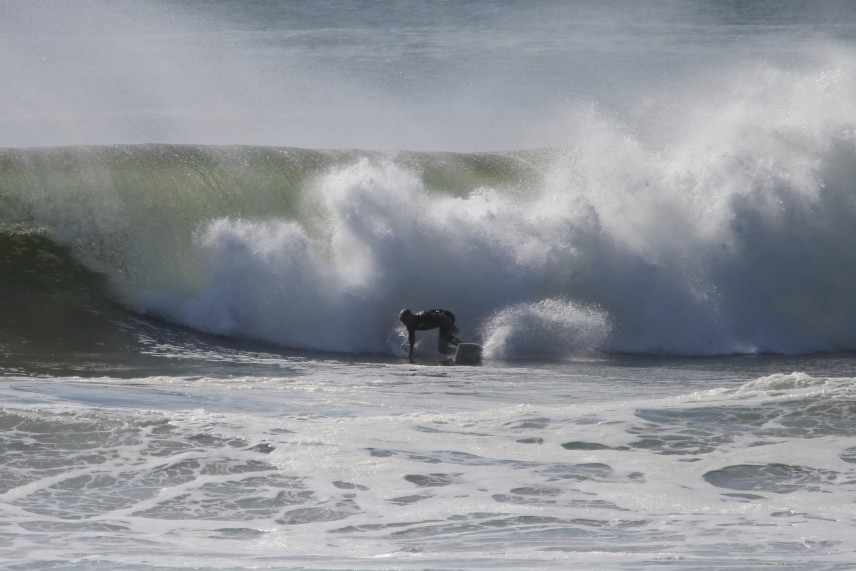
x: 468, y: 354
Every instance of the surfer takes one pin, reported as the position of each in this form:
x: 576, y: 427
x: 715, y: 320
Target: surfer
x: 431, y: 319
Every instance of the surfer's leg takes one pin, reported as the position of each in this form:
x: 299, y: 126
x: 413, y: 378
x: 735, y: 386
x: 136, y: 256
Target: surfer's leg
x: 446, y: 342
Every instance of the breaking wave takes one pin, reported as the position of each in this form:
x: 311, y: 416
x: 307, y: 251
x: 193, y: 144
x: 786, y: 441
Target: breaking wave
x: 730, y: 234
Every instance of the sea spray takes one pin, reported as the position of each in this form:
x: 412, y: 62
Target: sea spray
x: 729, y: 234
x: 548, y: 329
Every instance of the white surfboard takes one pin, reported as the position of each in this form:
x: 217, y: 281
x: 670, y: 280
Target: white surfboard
x: 468, y: 354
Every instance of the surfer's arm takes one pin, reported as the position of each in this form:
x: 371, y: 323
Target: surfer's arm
x: 411, y: 338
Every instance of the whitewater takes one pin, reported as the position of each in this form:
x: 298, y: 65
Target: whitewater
x: 211, y: 214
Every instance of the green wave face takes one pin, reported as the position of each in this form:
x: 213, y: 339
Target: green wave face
x: 54, y: 309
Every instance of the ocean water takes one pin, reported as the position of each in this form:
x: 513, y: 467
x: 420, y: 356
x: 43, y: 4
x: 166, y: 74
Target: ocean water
x: 212, y: 212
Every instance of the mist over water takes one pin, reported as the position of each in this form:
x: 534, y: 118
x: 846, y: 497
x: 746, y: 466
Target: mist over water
x: 419, y: 75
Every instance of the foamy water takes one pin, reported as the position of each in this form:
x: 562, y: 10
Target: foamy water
x: 380, y: 466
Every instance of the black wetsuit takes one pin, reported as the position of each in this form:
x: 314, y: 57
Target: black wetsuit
x: 433, y: 319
